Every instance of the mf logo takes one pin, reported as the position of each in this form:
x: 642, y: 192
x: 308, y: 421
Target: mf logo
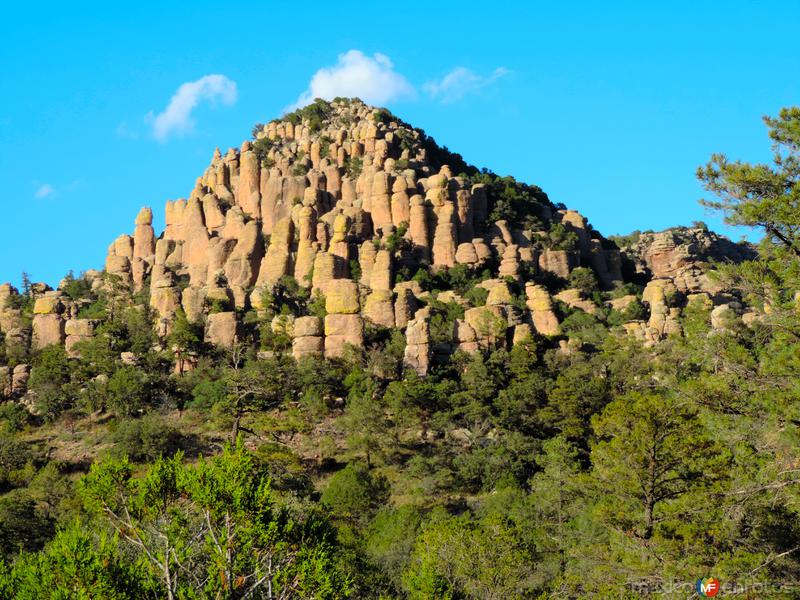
x: 708, y: 587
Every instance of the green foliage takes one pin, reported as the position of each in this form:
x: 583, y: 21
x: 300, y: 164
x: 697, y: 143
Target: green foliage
x: 185, y: 336
x: 76, y: 289
x: 23, y: 526
x: 208, y: 393
x: 13, y: 416
x: 299, y: 169
x: 511, y: 200
x: 128, y: 330
x: 314, y: 115
x: 653, y: 450
x: 353, y: 166
x: 355, y: 493
x: 215, y: 529
x: 401, y: 164
x: 585, y: 327
x: 390, y: 539
x: 324, y: 146
x: 396, y: 237
x: 760, y: 195
x: 50, y: 379
x: 129, y: 391
x: 145, y: 439
x: 629, y: 240
x: 560, y: 238
x: 444, y: 563
x: 262, y: 147
x: 16, y: 460
x: 382, y: 115
x: 76, y: 564
x: 286, y: 297
x: 258, y: 385
x: 584, y: 279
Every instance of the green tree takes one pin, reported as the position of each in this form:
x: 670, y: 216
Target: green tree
x: 216, y: 529
x: 129, y: 390
x: 355, y: 493
x: 78, y: 566
x: 584, y: 279
x: 760, y: 195
x: 185, y: 338
x: 364, y: 416
x: 456, y: 557
x: 653, y: 450
x: 23, y: 526
x: 256, y: 386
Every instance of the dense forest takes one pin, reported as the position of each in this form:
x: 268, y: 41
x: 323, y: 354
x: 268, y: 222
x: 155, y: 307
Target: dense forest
x: 600, y: 468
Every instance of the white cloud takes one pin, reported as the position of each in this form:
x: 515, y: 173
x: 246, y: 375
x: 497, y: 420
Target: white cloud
x: 177, y: 117
x: 373, y: 79
x: 459, y: 82
x: 45, y: 191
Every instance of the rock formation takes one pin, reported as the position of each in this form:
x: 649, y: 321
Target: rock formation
x: 352, y: 205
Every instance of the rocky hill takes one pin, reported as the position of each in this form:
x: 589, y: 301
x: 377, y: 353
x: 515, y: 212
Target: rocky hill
x: 372, y: 226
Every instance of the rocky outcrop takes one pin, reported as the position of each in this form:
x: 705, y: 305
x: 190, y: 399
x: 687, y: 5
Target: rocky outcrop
x: 352, y: 205
x: 343, y: 323
x: 222, y: 329
x: 48, y: 320
x: 417, y: 355
x: 663, y: 321
x: 78, y: 330
x: 540, y: 305
x: 308, y: 337
x: 558, y: 262
x: 685, y: 256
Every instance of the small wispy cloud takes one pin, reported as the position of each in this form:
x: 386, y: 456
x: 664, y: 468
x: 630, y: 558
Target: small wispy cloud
x: 459, y: 82
x: 126, y: 131
x: 371, y: 78
x: 176, y: 118
x: 45, y: 190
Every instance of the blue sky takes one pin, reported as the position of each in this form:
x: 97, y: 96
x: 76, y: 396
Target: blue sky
x: 609, y: 107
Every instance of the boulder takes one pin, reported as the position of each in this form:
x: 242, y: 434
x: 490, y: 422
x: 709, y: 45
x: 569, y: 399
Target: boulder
x: 222, y: 329
x: 48, y: 329
x: 308, y: 346
x: 417, y: 354
x: 341, y: 330
x: 379, y: 308
x: 19, y: 379
x: 541, y: 306
x: 308, y: 327
x: 341, y: 297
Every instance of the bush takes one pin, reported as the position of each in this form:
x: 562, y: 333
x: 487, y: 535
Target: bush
x: 390, y: 540
x: 129, y: 390
x: 355, y: 492
x: 16, y: 461
x: 207, y: 393
x: 78, y: 288
x: 560, y: 238
x: 50, y: 368
x: 583, y: 279
x: 13, y: 416
x: 262, y: 148
x: 315, y: 114
x: 353, y: 166
x: 23, y: 526
x: 145, y: 439
x: 585, y: 327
